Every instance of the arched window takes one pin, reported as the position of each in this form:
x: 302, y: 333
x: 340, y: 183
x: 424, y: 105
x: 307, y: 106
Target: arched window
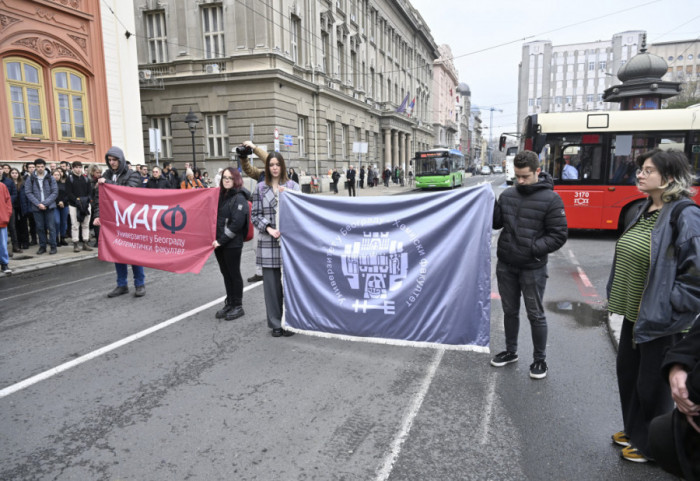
x: 25, y: 94
x: 71, y: 104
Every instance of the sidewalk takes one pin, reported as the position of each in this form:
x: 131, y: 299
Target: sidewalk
x: 29, y: 261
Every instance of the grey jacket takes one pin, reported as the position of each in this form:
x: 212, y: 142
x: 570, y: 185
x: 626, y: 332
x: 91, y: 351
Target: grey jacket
x: 671, y: 298
x: 33, y: 191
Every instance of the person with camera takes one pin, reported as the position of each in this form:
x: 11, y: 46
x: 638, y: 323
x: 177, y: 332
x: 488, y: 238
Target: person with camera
x: 264, y: 216
x: 244, y: 151
x: 231, y: 230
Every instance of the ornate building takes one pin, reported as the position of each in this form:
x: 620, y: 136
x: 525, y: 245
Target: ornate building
x: 62, y: 102
x: 321, y: 74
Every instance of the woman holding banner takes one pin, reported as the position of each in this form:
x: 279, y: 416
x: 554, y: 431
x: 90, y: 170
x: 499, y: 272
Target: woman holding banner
x: 231, y: 230
x: 264, y: 216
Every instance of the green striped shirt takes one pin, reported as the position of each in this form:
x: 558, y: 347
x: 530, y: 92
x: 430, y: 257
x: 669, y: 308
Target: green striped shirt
x: 633, y: 254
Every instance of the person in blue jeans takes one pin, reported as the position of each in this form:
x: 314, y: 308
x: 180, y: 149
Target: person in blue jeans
x: 118, y: 173
x: 41, y: 191
x: 534, y: 225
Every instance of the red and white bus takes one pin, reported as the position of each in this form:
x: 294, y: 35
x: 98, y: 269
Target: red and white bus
x: 591, y: 157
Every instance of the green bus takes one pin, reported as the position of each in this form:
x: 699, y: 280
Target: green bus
x: 439, y: 168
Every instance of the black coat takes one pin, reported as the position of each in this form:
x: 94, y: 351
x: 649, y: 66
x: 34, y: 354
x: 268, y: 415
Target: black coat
x: 78, y: 187
x: 533, y: 221
x: 232, y: 219
x: 159, y: 183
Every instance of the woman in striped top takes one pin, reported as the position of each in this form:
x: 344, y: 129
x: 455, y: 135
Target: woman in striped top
x: 655, y: 285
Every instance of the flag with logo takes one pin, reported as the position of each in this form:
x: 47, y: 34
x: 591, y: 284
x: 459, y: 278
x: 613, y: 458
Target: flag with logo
x: 407, y: 270
x: 402, y: 107
x: 171, y: 230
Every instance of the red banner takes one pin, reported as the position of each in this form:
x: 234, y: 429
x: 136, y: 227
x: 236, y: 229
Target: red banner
x: 171, y: 230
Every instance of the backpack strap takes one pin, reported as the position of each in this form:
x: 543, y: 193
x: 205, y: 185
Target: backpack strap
x: 675, y: 214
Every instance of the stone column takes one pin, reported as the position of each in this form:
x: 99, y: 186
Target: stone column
x: 402, y: 150
x: 409, y: 153
x: 387, y: 150
x: 394, y: 149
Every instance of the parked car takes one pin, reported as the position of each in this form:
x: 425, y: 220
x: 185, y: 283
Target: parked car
x: 497, y: 169
x: 485, y: 170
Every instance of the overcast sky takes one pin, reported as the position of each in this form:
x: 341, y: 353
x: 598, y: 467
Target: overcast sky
x: 492, y: 75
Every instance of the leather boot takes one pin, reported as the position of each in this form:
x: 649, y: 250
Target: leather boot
x: 86, y: 247
x: 76, y: 248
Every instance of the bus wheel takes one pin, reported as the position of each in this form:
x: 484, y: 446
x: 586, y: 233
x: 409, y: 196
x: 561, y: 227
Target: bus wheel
x: 629, y: 213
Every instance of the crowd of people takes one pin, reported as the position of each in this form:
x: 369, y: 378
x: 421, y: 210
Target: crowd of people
x: 54, y: 203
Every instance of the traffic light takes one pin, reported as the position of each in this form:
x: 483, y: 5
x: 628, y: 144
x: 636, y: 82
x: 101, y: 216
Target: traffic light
x: 502, y: 143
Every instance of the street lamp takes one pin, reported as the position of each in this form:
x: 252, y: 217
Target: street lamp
x: 192, y: 120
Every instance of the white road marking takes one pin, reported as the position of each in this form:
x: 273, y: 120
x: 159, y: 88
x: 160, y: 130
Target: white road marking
x: 486, y: 421
x: 111, y: 347
x: 584, y: 278
x: 410, y: 415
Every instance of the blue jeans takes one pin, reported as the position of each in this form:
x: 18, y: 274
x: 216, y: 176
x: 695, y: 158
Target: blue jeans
x: 123, y: 272
x: 61, y: 221
x: 45, y: 219
x: 512, y: 281
x: 4, y: 254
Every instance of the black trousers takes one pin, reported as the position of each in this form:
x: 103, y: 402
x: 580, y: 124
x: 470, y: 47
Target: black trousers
x: 643, y: 392
x: 351, y: 188
x: 230, y: 266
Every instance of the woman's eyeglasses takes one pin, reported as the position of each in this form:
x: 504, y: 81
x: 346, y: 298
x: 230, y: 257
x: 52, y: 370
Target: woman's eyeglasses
x: 646, y: 172
x: 227, y: 177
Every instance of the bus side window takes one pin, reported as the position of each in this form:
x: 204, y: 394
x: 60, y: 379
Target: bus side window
x: 590, y: 167
x: 622, y: 170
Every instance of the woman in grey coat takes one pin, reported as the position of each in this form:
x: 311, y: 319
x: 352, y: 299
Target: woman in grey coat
x: 265, y: 201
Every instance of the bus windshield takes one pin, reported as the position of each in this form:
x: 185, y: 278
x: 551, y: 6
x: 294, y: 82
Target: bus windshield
x: 439, y: 168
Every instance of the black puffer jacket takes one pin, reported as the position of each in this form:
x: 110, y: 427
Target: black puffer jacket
x: 533, y: 221
x: 232, y: 219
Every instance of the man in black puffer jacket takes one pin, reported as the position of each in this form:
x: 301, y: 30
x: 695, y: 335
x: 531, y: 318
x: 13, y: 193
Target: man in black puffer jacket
x: 534, y: 224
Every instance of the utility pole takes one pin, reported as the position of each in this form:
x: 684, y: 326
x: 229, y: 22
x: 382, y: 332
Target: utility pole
x: 491, y: 110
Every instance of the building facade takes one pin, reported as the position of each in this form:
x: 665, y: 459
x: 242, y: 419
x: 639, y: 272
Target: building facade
x: 444, y: 93
x: 322, y: 74
x: 683, y: 64
x: 62, y: 102
x: 565, y: 78
x: 54, y: 75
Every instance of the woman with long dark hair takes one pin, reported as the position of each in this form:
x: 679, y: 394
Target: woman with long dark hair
x: 231, y: 230
x: 265, y: 202
x: 655, y: 286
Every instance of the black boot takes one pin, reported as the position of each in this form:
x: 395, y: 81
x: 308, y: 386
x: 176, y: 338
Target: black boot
x: 221, y: 313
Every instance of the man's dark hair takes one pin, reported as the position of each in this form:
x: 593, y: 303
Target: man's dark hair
x: 526, y: 158
x: 39, y: 162
x: 166, y: 165
x: 77, y: 163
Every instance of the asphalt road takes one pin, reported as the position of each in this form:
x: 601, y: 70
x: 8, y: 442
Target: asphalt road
x: 214, y: 400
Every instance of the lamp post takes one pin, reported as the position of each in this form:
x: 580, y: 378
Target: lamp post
x: 192, y: 120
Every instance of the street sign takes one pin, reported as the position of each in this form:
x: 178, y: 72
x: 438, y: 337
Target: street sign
x: 288, y: 140
x: 359, y: 147
x: 154, y: 140
x: 277, y: 145
x: 277, y: 134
